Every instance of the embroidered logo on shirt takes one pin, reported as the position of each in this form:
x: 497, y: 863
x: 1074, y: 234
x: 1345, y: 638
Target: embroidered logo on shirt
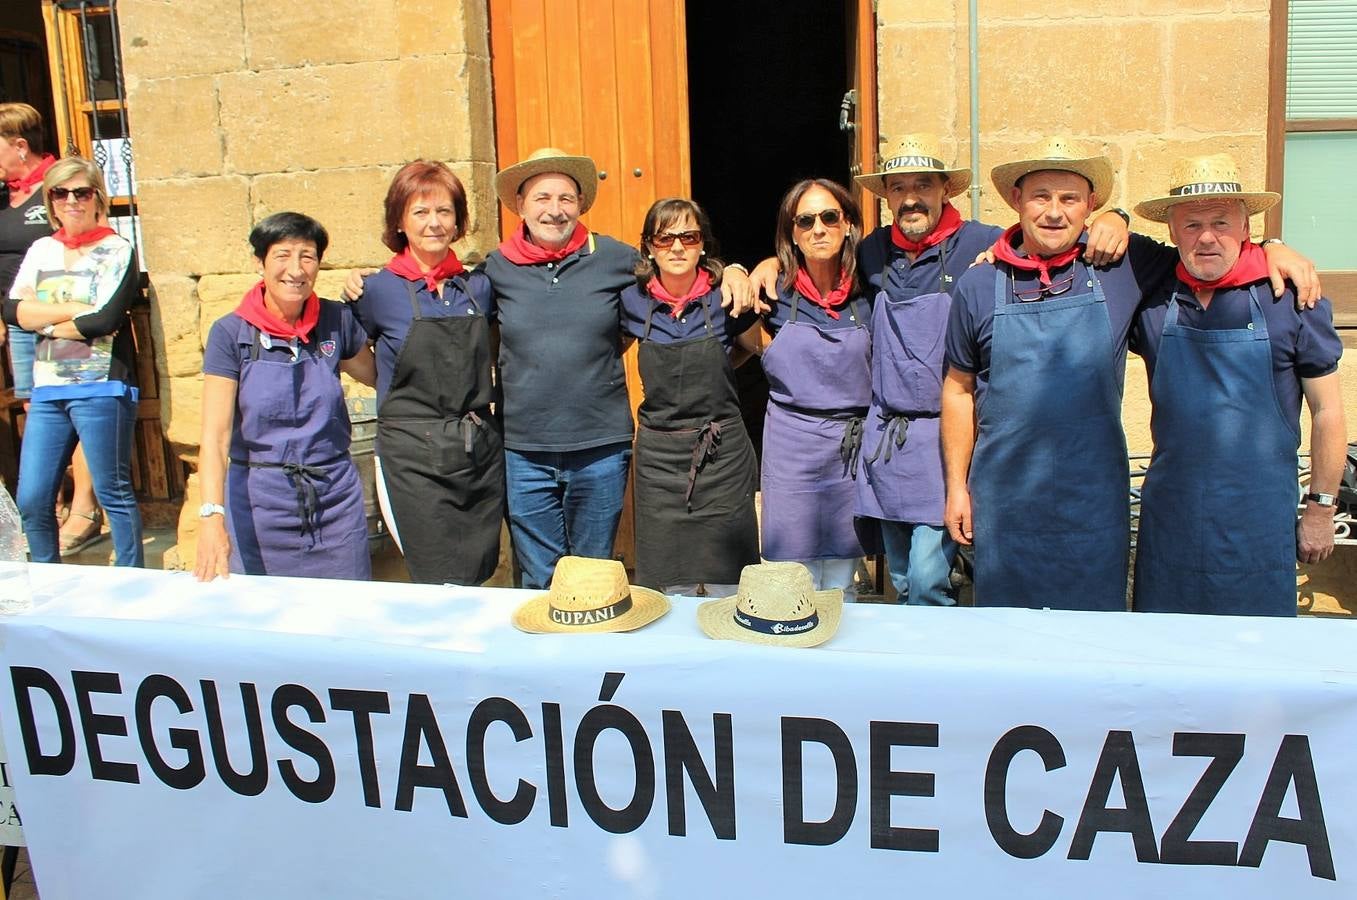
x: 36, y: 215
x: 327, y: 347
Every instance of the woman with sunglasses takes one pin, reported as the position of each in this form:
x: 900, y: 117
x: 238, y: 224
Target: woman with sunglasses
x: 440, y: 450
x: 694, y: 466
x: 816, y: 352
x: 74, y: 290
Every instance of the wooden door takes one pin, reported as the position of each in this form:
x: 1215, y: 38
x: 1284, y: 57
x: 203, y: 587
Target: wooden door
x: 603, y: 78
x: 862, y: 117
x: 607, y: 79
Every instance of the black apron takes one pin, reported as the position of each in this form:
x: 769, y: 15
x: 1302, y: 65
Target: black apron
x: 695, y: 469
x: 441, y: 450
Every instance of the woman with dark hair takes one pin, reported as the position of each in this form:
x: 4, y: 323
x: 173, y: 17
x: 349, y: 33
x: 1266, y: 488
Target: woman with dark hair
x: 694, y: 466
x: 817, y: 354
x: 440, y: 450
x: 281, y: 495
x: 73, y: 290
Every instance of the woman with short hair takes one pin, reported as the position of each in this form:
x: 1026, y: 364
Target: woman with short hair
x: 281, y: 495
x: 816, y: 351
x: 74, y: 290
x: 694, y: 466
x: 440, y: 448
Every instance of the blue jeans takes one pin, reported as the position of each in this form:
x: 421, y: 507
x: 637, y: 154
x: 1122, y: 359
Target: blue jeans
x: 21, y: 361
x: 564, y: 504
x: 920, y: 559
x: 103, y: 426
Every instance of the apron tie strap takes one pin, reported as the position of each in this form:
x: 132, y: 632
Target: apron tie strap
x: 303, y: 481
x: 897, y: 428
x: 704, y: 451
x: 468, y: 424
x: 851, y: 445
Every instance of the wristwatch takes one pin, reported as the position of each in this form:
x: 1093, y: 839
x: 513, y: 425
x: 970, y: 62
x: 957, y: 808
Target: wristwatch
x: 47, y: 330
x: 1322, y: 499
x: 211, y: 509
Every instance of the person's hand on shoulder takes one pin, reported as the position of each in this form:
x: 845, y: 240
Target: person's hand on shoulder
x: 1285, y: 264
x: 353, y: 285
x: 1108, y: 237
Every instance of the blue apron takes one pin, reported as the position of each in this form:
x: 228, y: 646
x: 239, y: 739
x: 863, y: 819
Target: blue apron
x: 820, y: 383
x: 1049, y: 479
x: 1218, y: 510
x: 902, y: 477
x: 294, y: 502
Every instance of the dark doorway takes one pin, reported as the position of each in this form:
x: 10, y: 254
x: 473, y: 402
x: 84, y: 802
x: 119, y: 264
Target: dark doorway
x: 765, y: 81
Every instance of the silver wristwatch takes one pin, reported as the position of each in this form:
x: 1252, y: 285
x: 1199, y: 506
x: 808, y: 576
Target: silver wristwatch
x: 211, y: 509
x: 1322, y: 499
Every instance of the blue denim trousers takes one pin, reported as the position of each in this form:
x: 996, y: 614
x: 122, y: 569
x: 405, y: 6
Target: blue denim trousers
x: 21, y: 361
x: 564, y: 504
x: 920, y: 560
x: 103, y: 426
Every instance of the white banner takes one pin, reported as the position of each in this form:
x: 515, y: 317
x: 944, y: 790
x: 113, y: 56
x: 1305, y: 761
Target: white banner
x: 279, y: 738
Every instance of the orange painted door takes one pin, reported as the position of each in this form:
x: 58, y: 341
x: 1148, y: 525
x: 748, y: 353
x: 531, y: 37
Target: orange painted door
x: 607, y: 79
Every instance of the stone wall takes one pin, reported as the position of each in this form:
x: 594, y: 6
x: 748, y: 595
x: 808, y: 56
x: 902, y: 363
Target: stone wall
x: 1147, y: 81
x: 242, y: 108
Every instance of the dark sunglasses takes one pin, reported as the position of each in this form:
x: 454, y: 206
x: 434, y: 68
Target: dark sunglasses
x: 1054, y: 289
x: 830, y: 217
x: 666, y: 239
x: 82, y: 194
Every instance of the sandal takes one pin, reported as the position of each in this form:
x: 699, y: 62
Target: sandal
x: 92, y: 533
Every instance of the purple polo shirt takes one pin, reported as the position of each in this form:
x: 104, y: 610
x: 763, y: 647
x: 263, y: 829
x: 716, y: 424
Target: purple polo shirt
x: 385, y: 314
x: 1304, y: 342
x: 637, y: 304
x: 970, y: 329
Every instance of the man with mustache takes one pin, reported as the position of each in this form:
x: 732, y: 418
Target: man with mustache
x: 1218, y: 529
x: 913, y: 264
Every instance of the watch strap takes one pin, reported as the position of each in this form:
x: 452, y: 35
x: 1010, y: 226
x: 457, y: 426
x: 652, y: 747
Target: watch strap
x: 1322, y: 499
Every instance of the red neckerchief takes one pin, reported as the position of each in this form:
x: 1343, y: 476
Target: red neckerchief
x: 1042, y: 265
x: 253, y: 310
x: 404, y: 265
x: 522, y: 252
x: 84, y: 238
x: 24, y: 182
x: 949, y: 223
x: 1250, y: 267
x: 806, y: 288
x: 701, y: 285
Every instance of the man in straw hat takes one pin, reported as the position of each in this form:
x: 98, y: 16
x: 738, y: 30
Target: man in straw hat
x: 1034, y: 451
x: 916, y: 260
x: 567, y: 420
x: 1218, y: 528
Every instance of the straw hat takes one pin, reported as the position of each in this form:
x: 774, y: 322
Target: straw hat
x: 920, y: 152
x: 549, y: 159
x: 1205, y: 178
x: 1063, y: 154
x: 590, y: 595
x: 775, y: 604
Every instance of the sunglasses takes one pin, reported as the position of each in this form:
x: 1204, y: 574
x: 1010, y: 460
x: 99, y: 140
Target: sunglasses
x: 83, y: 194
x: 665, y: 240
x: 1054, y: 289
x: 830, y: 217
